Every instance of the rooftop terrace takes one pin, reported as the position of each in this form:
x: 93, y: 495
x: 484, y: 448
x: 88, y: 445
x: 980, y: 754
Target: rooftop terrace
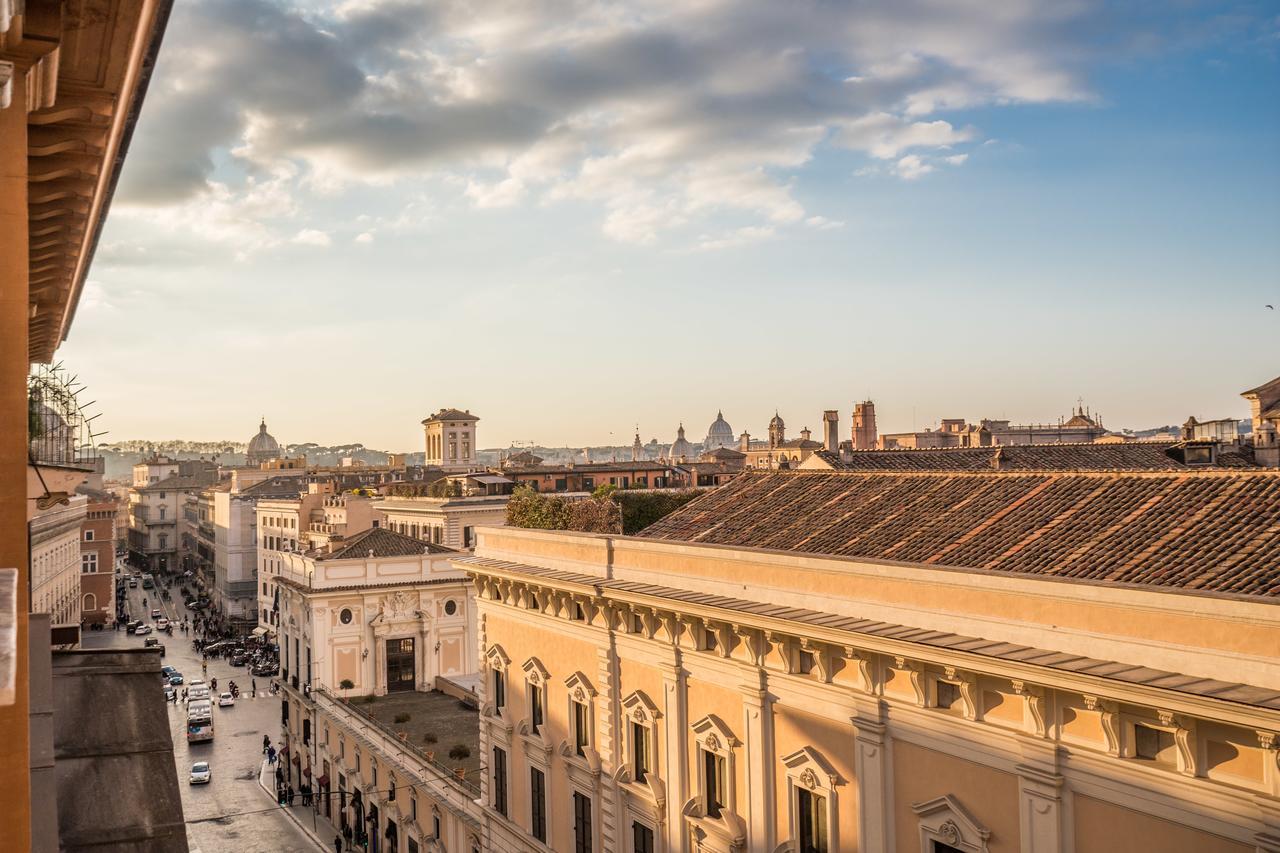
x: 431, y: 725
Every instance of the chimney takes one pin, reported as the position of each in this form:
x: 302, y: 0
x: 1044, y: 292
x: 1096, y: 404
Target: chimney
x: 744, y: 442
x: 805, y: 434
x: 831, y: 430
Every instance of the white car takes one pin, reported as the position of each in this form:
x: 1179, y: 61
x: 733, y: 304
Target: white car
x: 201, y: 773
x: 162, y: 623
x: 226, y: 699
x: 142, y: 629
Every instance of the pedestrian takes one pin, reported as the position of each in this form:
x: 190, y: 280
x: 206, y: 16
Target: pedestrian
x: 271, y: 755
x: 266, y: 743
x: 253, y: 682
x: 337, y: 844
x: 290, y: 793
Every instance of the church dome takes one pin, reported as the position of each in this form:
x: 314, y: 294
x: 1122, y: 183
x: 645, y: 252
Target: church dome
x: 262, y: 447
x: 776, y: 422
x: 720, y: 434
x: 682, y: 448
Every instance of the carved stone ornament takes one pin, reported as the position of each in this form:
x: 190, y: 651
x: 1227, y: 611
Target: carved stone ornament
x: 396, y: 606
x: 712, y: 743
x: 809, y: 779
x: 950, y: 833
x: 638, y: 714
x: 579, y: 695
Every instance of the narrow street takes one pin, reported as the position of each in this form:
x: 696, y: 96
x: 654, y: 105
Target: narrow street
x: 231, y: 813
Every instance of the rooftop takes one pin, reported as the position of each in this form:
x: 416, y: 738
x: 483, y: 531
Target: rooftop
x: 1208, y: 531
x: 446, y: 718
x: 381, y: 542
x: 1123, y: 456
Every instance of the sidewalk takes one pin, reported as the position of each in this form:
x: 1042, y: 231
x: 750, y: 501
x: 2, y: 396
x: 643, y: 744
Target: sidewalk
x: 300, y: 815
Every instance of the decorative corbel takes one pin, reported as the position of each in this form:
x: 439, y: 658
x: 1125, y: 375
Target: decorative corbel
x: 724, y: 638
x: 1269, y: 743
x: 968, y: 691
x: 1034, y: 705
x: 866, y: 669
x: 1184, y: 739
x: 754, y: 642
x: 671, y: 624
x: 915, y: 670
x: 823, y: 659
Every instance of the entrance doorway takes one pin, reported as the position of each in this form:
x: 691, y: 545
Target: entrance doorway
x: 401, y: 669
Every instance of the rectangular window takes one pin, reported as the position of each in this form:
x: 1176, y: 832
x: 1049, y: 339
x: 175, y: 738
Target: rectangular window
x: 89, y: 562
x: 811, y: 811
x: 641, y: 838
x: 581, y: 727
x: 535, y: 708
x: 499, y: 689
x: 467, y: 535
x: 1154, y: 745
x: 581, y: 823
x: 640, y: 748
x: 435, y: 826
x: 538, y: 804
x: 713, y: 773
x: 88, y: 536
x: 500, y: 781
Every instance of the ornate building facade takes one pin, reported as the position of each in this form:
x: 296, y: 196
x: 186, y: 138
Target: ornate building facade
x: 823, y: 662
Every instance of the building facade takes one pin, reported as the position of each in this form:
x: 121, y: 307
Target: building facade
x: 451, y: 440
x: 97, y: 557
x: 56, y: 561
x: 157, y: 502
x: 894, y: 674
x: 1083, y: 426
x: 369, y: 634
x: 1264, y: 412
x: 450, y: 522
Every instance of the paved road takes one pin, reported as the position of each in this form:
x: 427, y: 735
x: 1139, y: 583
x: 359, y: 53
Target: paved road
x: 231, y: 813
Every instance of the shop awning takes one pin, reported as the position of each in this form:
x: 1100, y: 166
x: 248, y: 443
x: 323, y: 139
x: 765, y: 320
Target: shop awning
x: 259, y: 631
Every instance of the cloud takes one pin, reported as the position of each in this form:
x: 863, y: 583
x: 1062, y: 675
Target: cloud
x: 311, y: 237
x: 911, y: 167
x: 657, y: 114
x: 364, y: 237
x: 822, y: 223
x: 734, y: 239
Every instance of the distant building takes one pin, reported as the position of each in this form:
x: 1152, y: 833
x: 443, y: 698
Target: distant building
x: 864, y: 435
x: 97, y: 557
x: 451, y: 440
x: 1082, y: 426
x: 778, y: 453
x: 1264, y: 405
x: 719, y: 434
x: 586, y: 477
x: 157, y: 500
x: 262, y: 447
x: 55, y: 536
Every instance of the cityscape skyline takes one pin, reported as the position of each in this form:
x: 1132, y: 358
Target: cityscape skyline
x: 893, y: 201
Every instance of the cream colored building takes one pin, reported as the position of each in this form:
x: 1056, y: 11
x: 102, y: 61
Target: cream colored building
x: 1063, y: 662
x: 56, y: 562
x: 157, y: 500
x: 451, y: 440
x: 383, y: 615
x: 451, y: 522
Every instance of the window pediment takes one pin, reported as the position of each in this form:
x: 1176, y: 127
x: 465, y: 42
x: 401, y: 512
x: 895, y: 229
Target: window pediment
x: 944, y: 819
x: 713, y: 735
x: 810, y: 770
x: 639, y: 708
x: 535, y: 672
x: 497, y: 658
x: 580, y: 689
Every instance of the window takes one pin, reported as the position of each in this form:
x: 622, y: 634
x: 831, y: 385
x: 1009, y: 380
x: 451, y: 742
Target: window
x: 713, y: 792
x: 413, y: 809
x: 640, y: 750
x: 164, y: 542
x: 450, y: 607
x: 345, y: 616
x: 641, y: 838
x: 162, y: 511
x: 581, y: 727
x: 435, y: 824
x: 499, y: 690
x: 581, y: 823
x: 562, y: 484
x: 89, y: 562
x: 535, y: 708
x: 88, y: 536
x: 538, y: 804
x: 948, y: 696
x: 467, y: 533
x: 811, y: 814
x: 1152, y: 744
x: 500, y: 781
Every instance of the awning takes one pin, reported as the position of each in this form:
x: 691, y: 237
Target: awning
x: 322, y: 780
x: 259, y: 631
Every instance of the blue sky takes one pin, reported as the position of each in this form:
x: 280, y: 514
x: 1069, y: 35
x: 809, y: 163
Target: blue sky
x: 571, y: 218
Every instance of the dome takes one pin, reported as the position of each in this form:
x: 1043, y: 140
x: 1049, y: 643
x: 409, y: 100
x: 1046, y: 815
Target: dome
x: 776, y: 422
x: 720, y: 434
x: 682, y: 448
x: 262, y: 447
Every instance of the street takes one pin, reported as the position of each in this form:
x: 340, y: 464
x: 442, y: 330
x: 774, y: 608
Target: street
x: 231, y: 812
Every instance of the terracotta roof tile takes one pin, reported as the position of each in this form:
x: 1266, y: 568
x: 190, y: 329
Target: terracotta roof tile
x: 381, y: 542
x: 1214, y: 531
x: 1129, y: 456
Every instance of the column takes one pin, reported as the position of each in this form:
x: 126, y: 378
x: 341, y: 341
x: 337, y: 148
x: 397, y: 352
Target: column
x: 608, y: 733
x: 874, y: 776
x: 757, y: 710
x: 1040, y: 797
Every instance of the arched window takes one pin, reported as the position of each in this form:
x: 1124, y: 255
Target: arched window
x: 90, y: 602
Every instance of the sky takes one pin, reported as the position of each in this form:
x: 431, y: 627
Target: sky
x: 575, y: 218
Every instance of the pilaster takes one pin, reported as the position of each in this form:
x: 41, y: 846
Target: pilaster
x: 873, y: 771
x: 607, y: 734
x: 676, y: 713
x: 1040, y: 797
x: 757, y: 709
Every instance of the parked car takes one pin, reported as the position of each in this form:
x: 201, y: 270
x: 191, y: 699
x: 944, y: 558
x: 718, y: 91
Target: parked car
x: 162, y: 623
x: 168, y: 670
x: 142, y: 629
x: 155, y: 613
x: 133, y: 583
x: 201, y: 773
x: 132, y: 626
x: 175, y: 679
x: 265, y: 669
x: 226, y: 700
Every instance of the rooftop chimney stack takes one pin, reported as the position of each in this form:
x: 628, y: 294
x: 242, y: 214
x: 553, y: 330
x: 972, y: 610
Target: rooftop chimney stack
x: 831, y: 430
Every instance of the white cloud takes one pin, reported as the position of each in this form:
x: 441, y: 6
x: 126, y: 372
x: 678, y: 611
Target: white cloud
x: 885, y: 136
x: 956, y: 159
x: 734, y: 239
x: 822, y: 223
x: 311, y: 237
x: 364, y: 237
x: 911, y: 167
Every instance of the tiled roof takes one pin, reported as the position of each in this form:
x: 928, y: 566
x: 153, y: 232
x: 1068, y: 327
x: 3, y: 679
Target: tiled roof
x: 381, y: 542
x: 1131, y: 673
x: 451, y: 415
x: 590, y: 468
x: 276, y: 487
x: 178, y: 482
x: 1126, y: 456
x: 1200, y: 531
